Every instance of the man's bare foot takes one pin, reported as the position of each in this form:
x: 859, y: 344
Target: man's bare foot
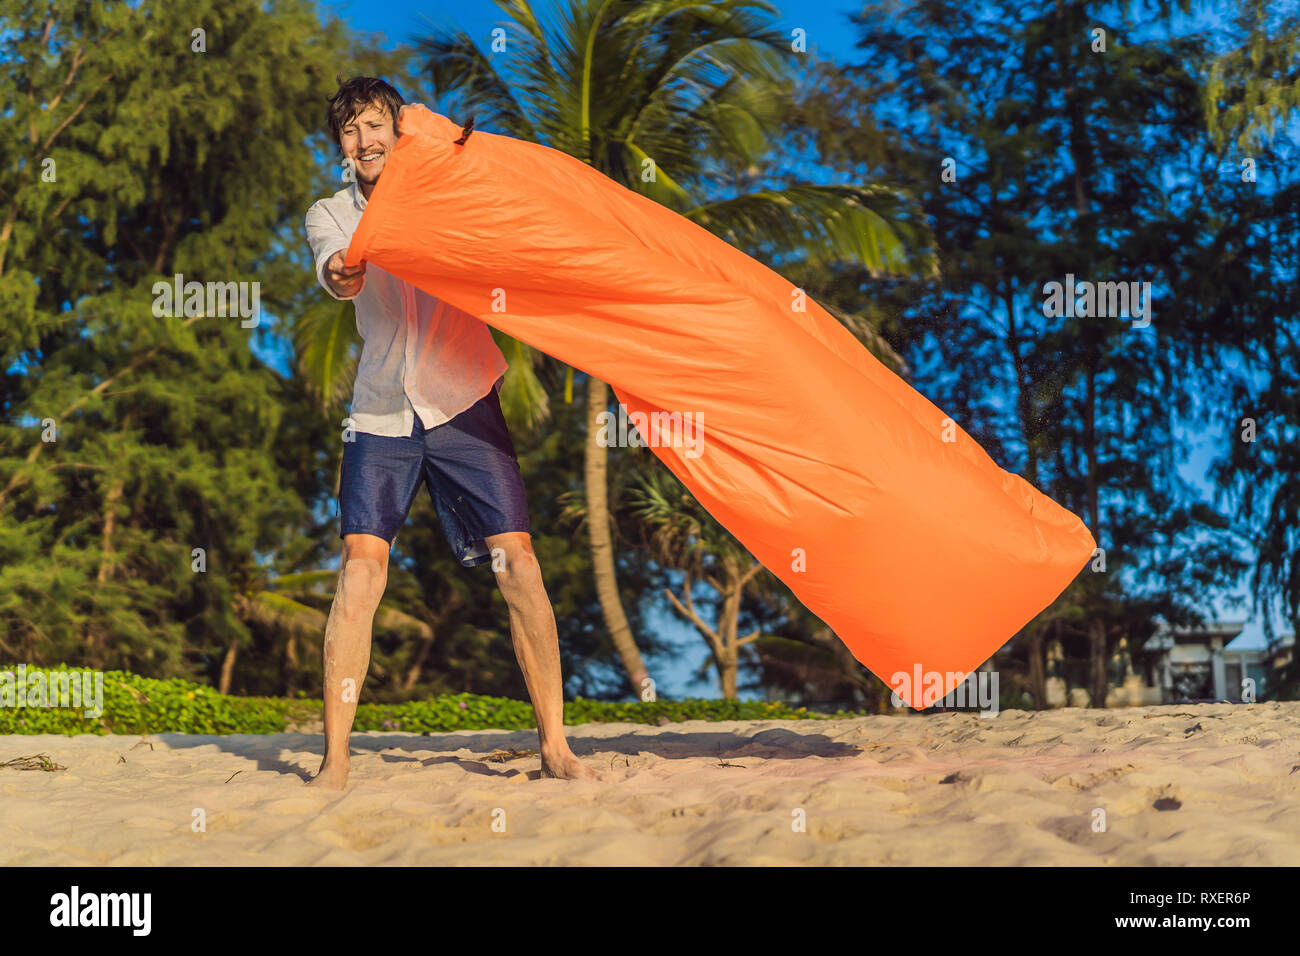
x: 565, y: 766
x: 332, y: 775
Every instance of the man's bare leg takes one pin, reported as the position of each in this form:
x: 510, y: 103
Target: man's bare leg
x: 537, y: 647
x: 363, y: 572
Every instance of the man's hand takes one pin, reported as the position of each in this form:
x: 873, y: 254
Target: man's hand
x: 342, y: 280
x: 400, y: 113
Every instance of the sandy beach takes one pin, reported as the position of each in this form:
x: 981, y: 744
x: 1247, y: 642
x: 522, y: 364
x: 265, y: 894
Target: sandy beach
x: 1178, y: 785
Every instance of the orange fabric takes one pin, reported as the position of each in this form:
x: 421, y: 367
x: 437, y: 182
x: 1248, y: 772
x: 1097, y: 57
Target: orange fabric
x: 922, y: 555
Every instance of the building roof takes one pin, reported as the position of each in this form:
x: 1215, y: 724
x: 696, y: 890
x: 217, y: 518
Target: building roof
x: 1166, y: 637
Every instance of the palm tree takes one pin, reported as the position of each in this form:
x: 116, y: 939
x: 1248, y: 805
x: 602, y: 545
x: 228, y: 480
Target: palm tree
x: 670, y: 98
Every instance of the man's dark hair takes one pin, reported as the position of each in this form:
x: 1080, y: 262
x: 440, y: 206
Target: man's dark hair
x: 354, y: 96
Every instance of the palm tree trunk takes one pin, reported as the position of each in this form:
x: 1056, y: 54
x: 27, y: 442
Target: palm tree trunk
x: 602, y: 546
x: 413, y: 672
x: 228, y: 666
x: 290, y: 664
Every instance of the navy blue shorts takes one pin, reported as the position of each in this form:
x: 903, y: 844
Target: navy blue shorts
x: 468, y: 465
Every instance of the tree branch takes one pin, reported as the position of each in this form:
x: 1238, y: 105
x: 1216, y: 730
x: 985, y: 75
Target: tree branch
x: 77, y: 60
x: 73, y: 115
x: 694, y: 618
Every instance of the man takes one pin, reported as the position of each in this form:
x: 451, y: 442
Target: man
x: 425, y: 407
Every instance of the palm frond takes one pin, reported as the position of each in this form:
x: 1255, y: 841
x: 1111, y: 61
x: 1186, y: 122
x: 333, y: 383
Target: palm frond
x: 324, y: 339
x: 280, y: 613
x: 708, y: 91
x: 302, y: 580
x: 867, y: 334
x: 524, y: 401
x: 456, y: 65
x: 402, y: 624
x: 662, y: 188
x: 683, y: 534
x: 823, y: 224
x: 521, y: 11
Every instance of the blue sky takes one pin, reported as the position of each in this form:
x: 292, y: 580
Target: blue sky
x: 829, y: 34
x: 825, y: 22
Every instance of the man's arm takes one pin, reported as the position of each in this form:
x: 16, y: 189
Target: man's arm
x: 329, y: 243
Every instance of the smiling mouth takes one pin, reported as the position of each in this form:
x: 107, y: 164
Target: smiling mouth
x: 369, y: 159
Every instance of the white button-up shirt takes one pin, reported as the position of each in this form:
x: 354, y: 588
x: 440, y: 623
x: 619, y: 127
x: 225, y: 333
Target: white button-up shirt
x: 420, y: 354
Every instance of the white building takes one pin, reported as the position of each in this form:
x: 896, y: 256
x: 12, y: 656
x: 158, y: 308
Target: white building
x: 1201, y: 664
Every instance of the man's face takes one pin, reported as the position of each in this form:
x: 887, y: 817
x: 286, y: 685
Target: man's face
x: 367, y: 139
